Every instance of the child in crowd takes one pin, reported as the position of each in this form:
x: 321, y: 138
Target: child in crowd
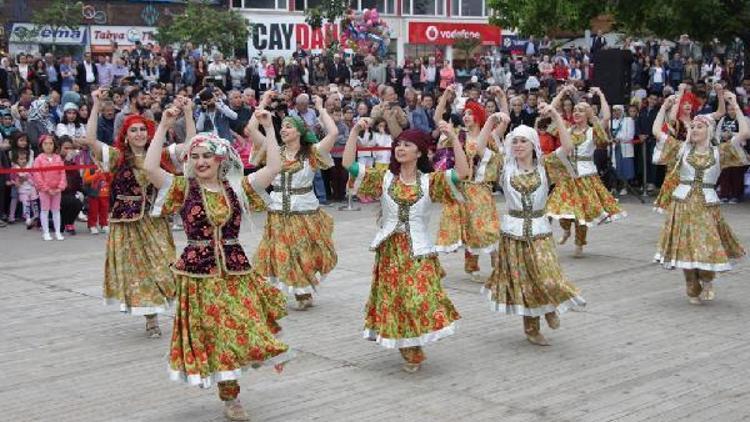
x: 26, y: 194
x: 19, y: 145
x: 50, y: 185
x: 96, y: 187
x: 382, y: 139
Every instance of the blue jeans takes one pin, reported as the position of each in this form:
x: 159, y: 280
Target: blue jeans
x: 319, y: 187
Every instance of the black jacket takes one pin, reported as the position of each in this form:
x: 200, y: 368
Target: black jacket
x: 81, y: 74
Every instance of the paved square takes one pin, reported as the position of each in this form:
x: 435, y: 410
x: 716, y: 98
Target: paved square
x: 639, y: 351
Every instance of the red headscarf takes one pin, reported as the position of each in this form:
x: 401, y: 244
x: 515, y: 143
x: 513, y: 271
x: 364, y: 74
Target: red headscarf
x: 123, y: 147
x: 130, y: 120
x: 477, y: 111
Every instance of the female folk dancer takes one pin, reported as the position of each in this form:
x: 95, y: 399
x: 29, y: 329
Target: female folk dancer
x: 695, y: 236
x: 139, y: 247
x: 528, y: 280
x: 226, y: 315
x: 474, y: 223
x: 407, y: 307
x: 581, y: 198
x: 297, y: 241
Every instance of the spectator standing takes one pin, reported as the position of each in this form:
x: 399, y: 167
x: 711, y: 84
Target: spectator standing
x: 87, y: 74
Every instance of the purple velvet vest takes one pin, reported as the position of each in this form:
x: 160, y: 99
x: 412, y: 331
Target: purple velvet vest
x: 209, y: 244
x: 129, y: 200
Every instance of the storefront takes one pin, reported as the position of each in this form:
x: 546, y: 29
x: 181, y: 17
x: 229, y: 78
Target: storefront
x: 27, y: 38
x: 103, y: 38
x: 429, y: 38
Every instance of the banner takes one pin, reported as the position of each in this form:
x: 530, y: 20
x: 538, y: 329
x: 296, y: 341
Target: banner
x: 29, y: 33
x: 124, y: 36
x: 274, y: 36
x: 439, y: 33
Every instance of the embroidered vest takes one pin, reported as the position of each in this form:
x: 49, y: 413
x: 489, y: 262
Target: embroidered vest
x: 583, y: 156
x: 525, y: 218
x: 412, y: 219
x: 211, y: 250
x: 129, y: 200
x: 293, y: 190
x: 698, y: 178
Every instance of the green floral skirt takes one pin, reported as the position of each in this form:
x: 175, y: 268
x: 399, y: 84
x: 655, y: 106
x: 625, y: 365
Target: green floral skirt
x: 137, y: 276
x: 407, y: 305
x: 696, y: 236
x: 584, y: 199
x: 224, y: 326
x: 529, y: 280
x: 295, y: 250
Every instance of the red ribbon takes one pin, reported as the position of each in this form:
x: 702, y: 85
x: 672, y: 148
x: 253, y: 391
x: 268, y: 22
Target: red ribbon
x: 43, y: 169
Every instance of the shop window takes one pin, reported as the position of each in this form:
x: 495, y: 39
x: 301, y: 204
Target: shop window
x: 423, y: 7
x: 468, y: 8
x: 259, y: 4
x: 386, y: 7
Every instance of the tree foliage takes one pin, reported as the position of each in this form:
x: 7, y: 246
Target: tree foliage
x: 207, y: 27
x: 59, y: 15
x: 703, y: 20
x: 330, y: 10
x: 540, y: 17
x: 467, y: 45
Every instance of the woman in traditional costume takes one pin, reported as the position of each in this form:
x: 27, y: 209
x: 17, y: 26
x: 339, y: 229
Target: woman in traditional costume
x: 474, y: 223
x: 528, y: 281
x: 581, y: 198
x: 407, y: 307
x: 139, y: 247
x: 695, y: 236
x: 226, y: 316
x: 296, y: 251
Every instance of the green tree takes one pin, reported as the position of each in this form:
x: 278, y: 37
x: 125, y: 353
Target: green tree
x: 59, y: 15
x: 541, y: 17
x: 467, y: 45
x: 330, y: 10
x: 703, y: 20
x: 206, y: 27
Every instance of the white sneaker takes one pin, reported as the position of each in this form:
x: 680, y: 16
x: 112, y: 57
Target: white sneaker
x: 46, y: 236
x: 59, y: 236
x: 105, y: 229
x: 623, y: 192
x: 82, y: 217
x: 94, y: 230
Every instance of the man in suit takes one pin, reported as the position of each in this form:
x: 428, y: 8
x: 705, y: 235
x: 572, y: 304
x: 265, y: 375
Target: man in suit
x: 338, y: 73
x: 86, y: 74
x: 598, y: 42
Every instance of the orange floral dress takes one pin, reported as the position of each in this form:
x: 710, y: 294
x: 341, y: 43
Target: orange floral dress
x: 583, y: 197
x: 407, y: 306
x: 296, y: 251
x: 695, y: 234
x: 474, y: 223
x: 223, y: 324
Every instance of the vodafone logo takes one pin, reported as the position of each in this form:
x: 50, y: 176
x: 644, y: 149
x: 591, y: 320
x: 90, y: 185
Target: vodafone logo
x: 431, y: 33
x: 447, y: 33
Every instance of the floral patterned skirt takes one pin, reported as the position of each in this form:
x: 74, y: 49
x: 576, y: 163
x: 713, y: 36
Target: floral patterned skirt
x: 223, y: 326
x: 695, y: 236
x: 294, y: 248
x: 136, y: 271
x: 584, y: 199
x: 474, y: 223
x: 407, y: 305
x: 664, y: 198
x: 529, y: 280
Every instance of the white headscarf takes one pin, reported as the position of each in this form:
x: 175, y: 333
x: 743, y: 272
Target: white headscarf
x: 230, y: 169
x: 530, y: 134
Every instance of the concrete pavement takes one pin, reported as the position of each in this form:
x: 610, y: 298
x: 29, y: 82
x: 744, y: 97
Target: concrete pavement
x: 638, y: 352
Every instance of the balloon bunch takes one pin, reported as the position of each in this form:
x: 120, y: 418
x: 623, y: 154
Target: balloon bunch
x: 365, y: 33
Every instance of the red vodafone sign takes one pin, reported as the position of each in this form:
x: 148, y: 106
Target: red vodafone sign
x: 441, y: 33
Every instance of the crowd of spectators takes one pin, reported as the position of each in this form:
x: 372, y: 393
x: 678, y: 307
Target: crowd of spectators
x: 47, y: 96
